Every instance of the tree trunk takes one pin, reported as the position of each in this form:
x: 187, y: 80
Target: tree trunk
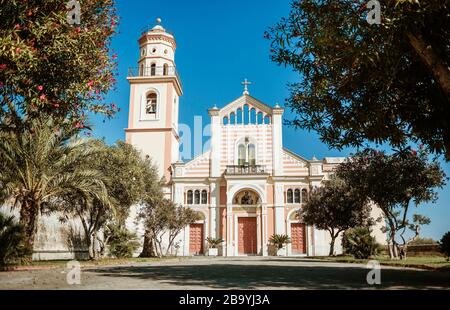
x: 393, y: 247
x: 438, y: 68
x: 28, y: 219
x: 148, y: 247
x: 333, y: 239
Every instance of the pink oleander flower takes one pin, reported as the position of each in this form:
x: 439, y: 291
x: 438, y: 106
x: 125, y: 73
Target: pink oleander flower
x: 43, y: 97
x: 40, y: 87
x: 90, y: 83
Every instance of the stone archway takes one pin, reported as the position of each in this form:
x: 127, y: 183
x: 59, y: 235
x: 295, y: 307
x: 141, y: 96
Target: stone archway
x: 246, y: 221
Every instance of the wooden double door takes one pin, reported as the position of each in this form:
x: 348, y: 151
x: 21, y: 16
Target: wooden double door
x: 247, y: 232
x: 298, y: 238
x: 196, y: 237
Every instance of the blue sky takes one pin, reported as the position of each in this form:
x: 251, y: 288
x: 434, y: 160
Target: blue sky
x: 219, y: 44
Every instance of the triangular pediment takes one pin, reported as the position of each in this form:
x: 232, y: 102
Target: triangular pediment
x: 252, y: 102
x: 294, y: 158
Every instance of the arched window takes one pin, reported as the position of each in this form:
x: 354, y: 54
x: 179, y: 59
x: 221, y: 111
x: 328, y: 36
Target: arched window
x: 197, y: 197
x: 241, y: 155
x: 260, y: 119
x: 151, y: 104
x: 189, y: 199
x: 225, y: 120
x: 165, y: 69
x: 304, y: 195
x: 253, y: 116
x: 251, y: 155
x: 289, y: 197
x: 232, y: 118
x: 141, y: 70
x: 297, y: 195
x: 267, y: 120
x: 204, y: 197
x: 153, y: 69
x: 239, y: 116
x: 246, y: 112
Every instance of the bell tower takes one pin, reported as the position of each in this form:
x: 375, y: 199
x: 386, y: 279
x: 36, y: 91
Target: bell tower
x: 155, y: 89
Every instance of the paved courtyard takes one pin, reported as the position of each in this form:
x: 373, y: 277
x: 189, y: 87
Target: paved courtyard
x: 227, y: 273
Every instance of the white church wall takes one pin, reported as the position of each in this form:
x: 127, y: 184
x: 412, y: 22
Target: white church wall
x: 55, y: 240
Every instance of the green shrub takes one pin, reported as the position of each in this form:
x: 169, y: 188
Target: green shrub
x: 422, y: 241
x: 122, y: 242
x: 359, y: 243
x: 445, y: 244
x: 11, y: 240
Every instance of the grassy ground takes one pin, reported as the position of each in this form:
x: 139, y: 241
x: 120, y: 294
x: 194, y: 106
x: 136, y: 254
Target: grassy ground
x: 424, y: 262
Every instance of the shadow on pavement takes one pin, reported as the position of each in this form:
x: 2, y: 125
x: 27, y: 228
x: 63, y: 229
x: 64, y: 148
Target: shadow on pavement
x: 244, y: 276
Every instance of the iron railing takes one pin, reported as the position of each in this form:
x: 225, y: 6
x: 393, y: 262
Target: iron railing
x: 153, y: 71
x: 245, y: 169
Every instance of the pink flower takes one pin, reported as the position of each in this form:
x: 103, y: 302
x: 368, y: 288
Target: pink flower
x: 43, y: 97
x: 79, y: 125
x: 113, y: 106
x: 90, y: 83
x: 56, y: 105
x: 17, y: 26
x: 78, y: 30
x: 414, y: 152
x: 40, y: 87
x: 3, y: 66
x: 18, y: 50
x: 114, y: 56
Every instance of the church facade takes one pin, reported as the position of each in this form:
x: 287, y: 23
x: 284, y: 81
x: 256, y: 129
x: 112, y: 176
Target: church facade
x: 248, y: 186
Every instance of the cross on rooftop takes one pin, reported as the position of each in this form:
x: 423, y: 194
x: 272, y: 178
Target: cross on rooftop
x: 246, y: 83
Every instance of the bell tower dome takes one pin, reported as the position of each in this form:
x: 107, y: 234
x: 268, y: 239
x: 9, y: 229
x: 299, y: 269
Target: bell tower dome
x: 155, y: 89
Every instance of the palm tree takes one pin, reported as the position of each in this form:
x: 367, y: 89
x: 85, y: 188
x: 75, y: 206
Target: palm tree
x: 279, y: 240
x: 41, y: 165
x: 11, y: 235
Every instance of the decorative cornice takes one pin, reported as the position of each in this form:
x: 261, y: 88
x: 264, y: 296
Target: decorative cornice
x: 156, y: 79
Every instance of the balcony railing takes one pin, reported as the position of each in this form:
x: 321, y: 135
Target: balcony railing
x: 245, y: 169
x: 153, y: 71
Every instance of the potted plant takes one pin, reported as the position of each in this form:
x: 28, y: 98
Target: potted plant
x: 279, y: 241
x: 213, y: 244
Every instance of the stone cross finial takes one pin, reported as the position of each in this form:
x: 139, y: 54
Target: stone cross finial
x: 246, y: 83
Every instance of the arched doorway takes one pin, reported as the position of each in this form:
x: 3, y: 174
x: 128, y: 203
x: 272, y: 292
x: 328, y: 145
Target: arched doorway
x: 298, y: 232
x: 197, y: 235
x: 247, y: 222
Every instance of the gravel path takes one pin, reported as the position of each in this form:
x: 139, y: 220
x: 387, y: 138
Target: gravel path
x: 228, y: 273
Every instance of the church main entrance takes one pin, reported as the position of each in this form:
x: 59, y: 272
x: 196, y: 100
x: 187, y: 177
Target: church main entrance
x: 247, y: 241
